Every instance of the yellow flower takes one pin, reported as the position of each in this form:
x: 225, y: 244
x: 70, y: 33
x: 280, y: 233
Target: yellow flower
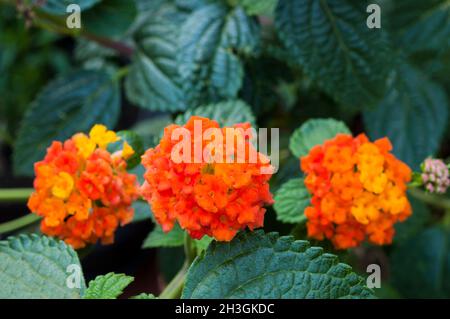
x: 62, y: 186
x: 84, y: 145
x: 100, y: 135
x: 127, y: 150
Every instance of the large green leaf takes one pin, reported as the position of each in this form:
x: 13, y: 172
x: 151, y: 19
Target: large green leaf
x: 315, y: 132
x: 209, y: 67
x: 420, y: 25
x: 257, y: 7
x: 72, y: 103
x: 331, y: 41
x: 108, y: 286
x: 153, y: 80
x: 110, y: 17
x: 226, y: 113
x: 413, y: 115
x: 257, y: 265
x: 191, y: 5
x: 38, y: 267
x: 59, y: 7
x: 420, y: 267
x: 291, y: 200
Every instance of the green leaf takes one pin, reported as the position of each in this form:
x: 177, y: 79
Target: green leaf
x: 152, y: 128
x: 202, y: 244
x: 413, y: 115
x: 331, y: 41
x: 108, y: 286
x: 158, y: 238
x: 144, y: 296
x: 314, y: 132
x: 291, y: 200
x: 420, y: 25
x: 153, y: 80
x: 134, y: 141
x: 191, y: 5
x: 70, y: 104
x: 174, y: 238
x: 414, y: 224
x: 38, y: 267
x: 420, y: 267
x: 209, y: 42
x: 226, y: 113
x: 59, y: 7
x: 257, y: 7
x: 257, y: 265
x: 110, y: 18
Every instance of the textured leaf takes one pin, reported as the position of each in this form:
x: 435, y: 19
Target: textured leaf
x: 108, y: 286
x: 158, y: 238
x: 420, y: 267
x: 291, y: 200
x: 257, y: 7
x: 144, y: 296
x: 36, y: 267
x: 258, y: 265
x: 59, y: 7
x: 70, y: 104
x: 315, y: 132
x: 110, y: 17
x: 86, y: 50
x: 209, y: 68
x: 420, y: 25
x: 331, y: 41
x: 191, y: 5
x: 226, y: 113
x: 413, y: 115
x: 153, y: 80
x: 132, y: 140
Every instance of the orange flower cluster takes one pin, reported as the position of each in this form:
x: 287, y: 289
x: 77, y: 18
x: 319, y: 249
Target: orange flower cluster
x: 206, y: 197
x: 358, y: 188
x: 82, y: 191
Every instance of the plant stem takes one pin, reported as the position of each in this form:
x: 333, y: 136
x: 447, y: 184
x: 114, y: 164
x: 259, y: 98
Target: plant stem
x: 121, y: 73
x: 435, y: 200
x: 18, y: 223
x: 115, y: 45
x: 58, y: 24
x: 15, y: 194
x: 175, y: 287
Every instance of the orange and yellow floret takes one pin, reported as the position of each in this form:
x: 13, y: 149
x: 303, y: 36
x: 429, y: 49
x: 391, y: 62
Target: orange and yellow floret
x: 82, y: 191
x: 358, y: 189
x: 215, y: 198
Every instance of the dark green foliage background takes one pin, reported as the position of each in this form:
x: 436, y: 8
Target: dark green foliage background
x: 273, y: 63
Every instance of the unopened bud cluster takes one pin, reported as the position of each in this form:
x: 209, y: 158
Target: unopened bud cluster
x: 435, y: 176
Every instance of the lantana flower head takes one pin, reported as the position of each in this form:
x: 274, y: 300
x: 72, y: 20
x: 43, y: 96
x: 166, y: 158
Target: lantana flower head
x: 82, y: 191
x: 435, y: 176
x: 209, y: 192
x: 358, y: 190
